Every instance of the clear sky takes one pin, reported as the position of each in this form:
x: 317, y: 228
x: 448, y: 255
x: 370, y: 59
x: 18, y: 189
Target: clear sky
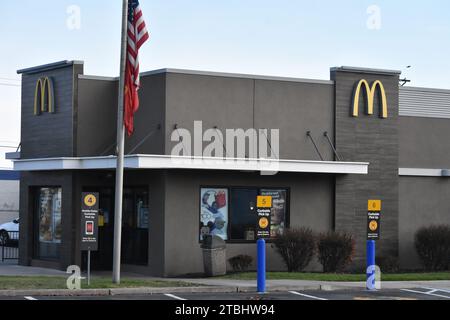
x: 285, y: 38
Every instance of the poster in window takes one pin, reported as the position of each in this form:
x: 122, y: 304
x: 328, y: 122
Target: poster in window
x: 278, y: 212
x: 214, y: 212
x: 143, y: 217
x: 50, y: 215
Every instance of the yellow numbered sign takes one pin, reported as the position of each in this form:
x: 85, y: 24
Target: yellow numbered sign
x: 374, y: 205
x: 264, y: 202
x: 90, y: 200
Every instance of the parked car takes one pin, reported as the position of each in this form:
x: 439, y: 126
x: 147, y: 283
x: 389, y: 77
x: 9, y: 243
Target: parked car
x: 9, y: 232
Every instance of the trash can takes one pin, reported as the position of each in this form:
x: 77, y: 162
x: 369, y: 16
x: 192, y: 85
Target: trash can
x: 214, y: 256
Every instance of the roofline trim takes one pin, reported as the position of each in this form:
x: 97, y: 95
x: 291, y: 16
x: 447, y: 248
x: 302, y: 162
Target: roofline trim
x: 192, y: 163
x: 423, y: 172
x: 102, y: 78
x: 365, y: 70
x: 235, y: 75
x: 422, y: 89
x: 49, y: 66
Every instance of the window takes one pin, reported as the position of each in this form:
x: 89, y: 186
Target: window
x: 135, y: 226
x: 243, y: 214
x: 278, y: 212
x: 49, y: 228
x: 214, y: 212
x: 235, y: 218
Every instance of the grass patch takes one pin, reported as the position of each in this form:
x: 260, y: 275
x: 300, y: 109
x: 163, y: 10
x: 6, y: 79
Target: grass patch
x: 49, y: 282
x: 340, y: 277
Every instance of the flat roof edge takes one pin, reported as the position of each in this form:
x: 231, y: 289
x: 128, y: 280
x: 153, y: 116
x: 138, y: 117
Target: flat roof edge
x: 424, y: 89
x: 49, y: 66
x: 235, y: 75
x: 365, y: 70
x: 102, y: 78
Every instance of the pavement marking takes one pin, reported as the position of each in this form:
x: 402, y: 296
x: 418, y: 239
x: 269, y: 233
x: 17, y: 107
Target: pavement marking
x: 436, y: 290
x: 307, y: 295
x: 174, y: 297
x: 30, y: 298
x: 429, y: 293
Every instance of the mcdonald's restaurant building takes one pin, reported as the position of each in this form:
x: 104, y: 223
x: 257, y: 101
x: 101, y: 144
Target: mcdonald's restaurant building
x: 342, y: 142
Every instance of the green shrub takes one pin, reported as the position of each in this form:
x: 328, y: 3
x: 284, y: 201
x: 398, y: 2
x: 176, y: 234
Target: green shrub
x: 335, y: 251
x: 296, y: 247
x: 388, y: 264
x: 240, y: 263
x: 433, y: 247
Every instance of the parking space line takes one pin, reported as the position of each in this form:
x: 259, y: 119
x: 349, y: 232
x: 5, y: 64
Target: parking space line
x: 174, y: 297
x: 430, y: 293
x: 307, y: 295
x: 30, y: 298
x: 436, y: 290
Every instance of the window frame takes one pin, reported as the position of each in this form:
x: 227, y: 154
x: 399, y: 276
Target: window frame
x: 287, y: 217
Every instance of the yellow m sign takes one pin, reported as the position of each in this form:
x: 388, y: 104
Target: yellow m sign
x: 44, y: 100
x: 370, y: 93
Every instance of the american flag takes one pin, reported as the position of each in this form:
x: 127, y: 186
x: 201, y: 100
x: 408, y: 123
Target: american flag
x: 137, y: 36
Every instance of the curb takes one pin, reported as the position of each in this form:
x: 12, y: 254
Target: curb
x: 151, y: 291
x: 55, y: 293
x: 114, y: 292
x: 166, y: 290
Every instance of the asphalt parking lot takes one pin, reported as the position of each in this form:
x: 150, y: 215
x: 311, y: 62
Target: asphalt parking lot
x: 363, y: 295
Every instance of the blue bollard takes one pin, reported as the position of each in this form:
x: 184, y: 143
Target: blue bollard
x: 371, y: 265
x: 261, y: 266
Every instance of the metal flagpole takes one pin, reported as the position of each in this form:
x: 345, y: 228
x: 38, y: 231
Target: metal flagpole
x: 120, y: 150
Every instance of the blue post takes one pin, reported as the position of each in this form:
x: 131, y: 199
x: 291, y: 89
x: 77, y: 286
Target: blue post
x: 371, y: 265
x: 261, y: 266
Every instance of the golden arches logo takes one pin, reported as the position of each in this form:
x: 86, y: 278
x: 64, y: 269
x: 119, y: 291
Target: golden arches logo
x: 370, y: 93
x: 44, y: 99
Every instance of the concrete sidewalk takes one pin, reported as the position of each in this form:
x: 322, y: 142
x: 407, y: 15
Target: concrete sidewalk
x: 16, y: 270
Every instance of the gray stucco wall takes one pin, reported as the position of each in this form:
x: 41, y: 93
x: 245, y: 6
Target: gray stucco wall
x: 97, y: 117
x: 233, y: 103
x: 311, y: 205
x: 424, y: 143
x: 423, y: 202
x: 367, y: 139
x: 97, y: 99
x: 148, y: 135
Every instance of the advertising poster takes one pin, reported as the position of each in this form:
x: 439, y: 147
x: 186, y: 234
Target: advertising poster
x: 278, y: 212
x: 214, y: 212
x: 50, y: 215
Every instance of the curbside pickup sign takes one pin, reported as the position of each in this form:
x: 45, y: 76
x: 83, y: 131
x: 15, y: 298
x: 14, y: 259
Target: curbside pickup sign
x: 373, y: 220
x: 264, y: 209
x: 89, y: 221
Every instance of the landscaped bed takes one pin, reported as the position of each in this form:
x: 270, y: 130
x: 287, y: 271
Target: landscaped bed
x: 340, y: 277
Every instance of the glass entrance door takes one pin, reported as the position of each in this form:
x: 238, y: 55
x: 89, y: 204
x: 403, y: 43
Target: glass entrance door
x: 135, y: 223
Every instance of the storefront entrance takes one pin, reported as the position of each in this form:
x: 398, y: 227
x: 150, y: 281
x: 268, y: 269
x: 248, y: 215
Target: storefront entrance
x: 134, y: 228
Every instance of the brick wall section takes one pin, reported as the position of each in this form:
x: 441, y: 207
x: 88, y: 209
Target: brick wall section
x: 50, y: 134
x: 367, y: 139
